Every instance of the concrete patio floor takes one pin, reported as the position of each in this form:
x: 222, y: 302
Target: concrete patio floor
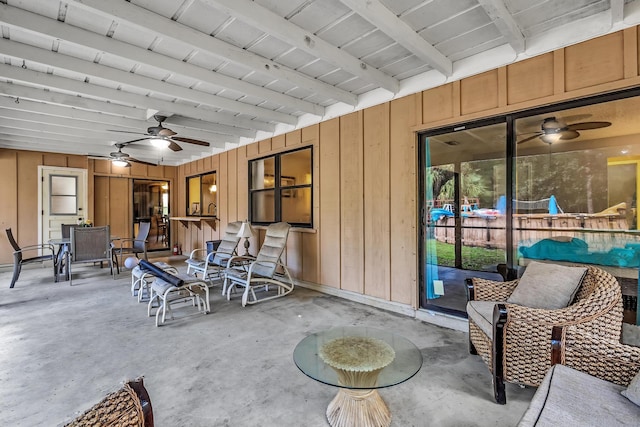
x: 63, y: 348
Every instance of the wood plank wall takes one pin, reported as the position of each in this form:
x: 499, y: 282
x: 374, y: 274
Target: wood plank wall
x: 365, y: 168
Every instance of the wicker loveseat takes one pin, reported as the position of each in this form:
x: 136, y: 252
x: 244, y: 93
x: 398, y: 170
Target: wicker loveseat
x: 515, y: 341
x: 587, y: 391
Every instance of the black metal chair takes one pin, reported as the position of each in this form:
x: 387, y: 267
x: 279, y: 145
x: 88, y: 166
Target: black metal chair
x: 136, y: 245
x: 47, y: 254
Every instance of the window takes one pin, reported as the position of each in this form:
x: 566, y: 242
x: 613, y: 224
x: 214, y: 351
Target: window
x: 64, y: 195
x: 281, y: 188
x: 202, y: 192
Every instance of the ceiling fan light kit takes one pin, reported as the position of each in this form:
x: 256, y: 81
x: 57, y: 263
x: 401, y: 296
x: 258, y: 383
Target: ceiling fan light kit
x: 162, y: 137
x: 160, y: 142
x: 121, y: 163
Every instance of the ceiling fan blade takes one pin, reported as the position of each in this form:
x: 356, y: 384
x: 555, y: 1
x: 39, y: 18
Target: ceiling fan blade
x: 588, y: 125
x: 125, y: 131
x: 173, y: 146
x: 166, y: 132
x: 191, y: 141
x: 530, y: 138
x: 132, y: 141
x: 131, y: 159
x: 569, y: 134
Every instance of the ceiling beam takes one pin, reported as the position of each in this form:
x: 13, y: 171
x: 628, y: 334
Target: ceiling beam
x: 505, y: 23
x: 21, y: 19
x: 617, y: 11
x: 165, y: 28
x: 120, y: 77
x: 22, y: 92
x: 228, y: 124
x: 387, y: 22
x: 265, y: 20
x: 54, y: 125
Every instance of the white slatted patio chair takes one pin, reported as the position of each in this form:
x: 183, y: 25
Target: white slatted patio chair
x: 211, y: 266
x: 264, y: 273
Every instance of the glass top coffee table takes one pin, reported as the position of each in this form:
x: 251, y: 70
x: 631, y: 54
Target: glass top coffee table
x: 358, y: 360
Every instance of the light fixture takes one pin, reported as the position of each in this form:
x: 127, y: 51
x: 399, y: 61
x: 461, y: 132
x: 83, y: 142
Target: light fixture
x: 120, y: 163
x: 160, y: 142
x: 213, y: 188
x: 550, y: 138
x: 246, y: 232
x: 165, y: 186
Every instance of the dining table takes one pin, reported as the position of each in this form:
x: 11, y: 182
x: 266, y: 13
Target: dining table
x: 63, y: 245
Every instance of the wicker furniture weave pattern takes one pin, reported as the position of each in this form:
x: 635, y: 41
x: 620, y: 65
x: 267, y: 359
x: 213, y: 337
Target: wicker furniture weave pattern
x: 606, y: 359
x: 122, y: 408
x: 527, y: 331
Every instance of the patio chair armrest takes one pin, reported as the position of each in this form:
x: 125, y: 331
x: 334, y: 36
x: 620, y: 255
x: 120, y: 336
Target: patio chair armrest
x: 609, y: 360
x: 489, y: 290
x: 37, y: 247
x: 195, y: 251
x: 238, y: 258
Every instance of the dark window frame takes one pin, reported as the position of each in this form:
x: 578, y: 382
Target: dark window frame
x: 278, y: 189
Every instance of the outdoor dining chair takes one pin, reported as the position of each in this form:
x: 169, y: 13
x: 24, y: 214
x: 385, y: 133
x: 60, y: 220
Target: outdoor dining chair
x: 41, y: 253
x: 90, y: 245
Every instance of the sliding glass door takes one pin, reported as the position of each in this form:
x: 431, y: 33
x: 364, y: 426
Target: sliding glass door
x: 463, y: 229
x: 555, y: 184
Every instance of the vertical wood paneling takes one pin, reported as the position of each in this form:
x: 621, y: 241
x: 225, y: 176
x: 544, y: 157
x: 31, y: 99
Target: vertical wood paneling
x: 101, y: 166
x: 101, y: 201
x: 155, y: 171
x: 530, y: 79
x: 54, y: 159
x: 232, y: 189
x: 328, y: 222
x: 252, y: 150
x: 293, y: 254
x: 437, y: 103
x: 600, y: 60
x: 223, y: 188
x: 479, y: 92
x: 9, y: 197
x: 80, y: 162
x: 376, y: 202
x: 28, y: 215
x: 278, y: 142
x: 264, y: 146
x: 403, y: 202
x: 119, y: 203
x: 558, y: 72
x: 630, y: 52
x: 310, y: 241
x: 243, y: 184
x: 293, y: 138
x: 351, y: 202
x: 138, y: 169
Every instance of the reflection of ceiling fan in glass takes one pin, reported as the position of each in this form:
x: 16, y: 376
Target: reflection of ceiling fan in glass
x: 553, y: 130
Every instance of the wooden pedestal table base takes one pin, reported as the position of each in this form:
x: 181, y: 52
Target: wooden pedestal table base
x: 358, y: 361
x: 362, y: 408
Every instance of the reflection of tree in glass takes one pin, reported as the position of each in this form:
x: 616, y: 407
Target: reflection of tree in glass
x: 577, y: 179
x: 473, y: 183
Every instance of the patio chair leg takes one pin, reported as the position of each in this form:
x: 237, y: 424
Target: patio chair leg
x: 472, y: 348
x: 16, y: 273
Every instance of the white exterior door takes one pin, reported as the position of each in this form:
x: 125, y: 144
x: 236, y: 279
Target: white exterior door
x: 63, y: 199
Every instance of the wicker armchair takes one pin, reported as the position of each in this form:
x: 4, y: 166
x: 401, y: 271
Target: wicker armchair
x: 609, y: 360
x: 519, y: 347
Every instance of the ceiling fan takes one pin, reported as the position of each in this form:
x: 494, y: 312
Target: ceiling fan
x: 161, y: 136
x: 122, y: 159
x: 553, y: 130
